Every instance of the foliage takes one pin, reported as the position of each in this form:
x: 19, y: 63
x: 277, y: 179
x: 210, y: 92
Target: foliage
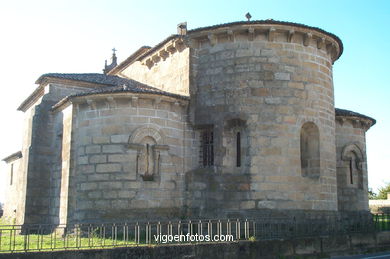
x: 252, y: 238
x: 371, y: 194
x: 382, y: 194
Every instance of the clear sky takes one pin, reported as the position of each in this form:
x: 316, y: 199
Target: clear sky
x: 39, y: 36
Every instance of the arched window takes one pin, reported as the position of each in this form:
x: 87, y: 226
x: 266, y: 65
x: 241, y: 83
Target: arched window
x: 352, y: 158
x: 310, y: 150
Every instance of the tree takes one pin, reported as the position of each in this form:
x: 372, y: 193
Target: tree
x: 371, y: 194
x: 382, y: 194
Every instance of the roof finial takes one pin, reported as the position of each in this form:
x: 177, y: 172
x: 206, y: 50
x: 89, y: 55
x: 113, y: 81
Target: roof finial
x: 108, y: 68
x: 248, y: 16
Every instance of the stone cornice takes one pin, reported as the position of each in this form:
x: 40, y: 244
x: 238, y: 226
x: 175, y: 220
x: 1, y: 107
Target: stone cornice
x: 13, y: 157
x: 324, y: 40
x: 40, y: 90
x: 163, y: 50
x: 32, y: 98
x: 132, y: 58
x: 356, y: 121
x: 111, y: 100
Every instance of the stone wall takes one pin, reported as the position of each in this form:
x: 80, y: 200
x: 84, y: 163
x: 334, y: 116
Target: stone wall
x: 169, y: 72
x: 352, y: 182
x: 13, y: 197
x: 38, y: 174
x: 274, y: 86
x: 130, y: 155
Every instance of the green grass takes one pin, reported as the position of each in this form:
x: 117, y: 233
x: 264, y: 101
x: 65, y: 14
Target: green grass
x: 11, y: 240
x: 382, y: 222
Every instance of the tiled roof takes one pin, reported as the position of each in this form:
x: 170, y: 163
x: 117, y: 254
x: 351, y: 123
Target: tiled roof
x: 90, y: 78
x: 347, y: 113
x: 114, y: 84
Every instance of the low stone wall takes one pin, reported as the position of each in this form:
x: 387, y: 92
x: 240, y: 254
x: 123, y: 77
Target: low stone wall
x: 311, y: 247
x: 379, y: 206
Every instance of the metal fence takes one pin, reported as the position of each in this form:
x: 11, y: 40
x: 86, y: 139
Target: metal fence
x: 45, y: 237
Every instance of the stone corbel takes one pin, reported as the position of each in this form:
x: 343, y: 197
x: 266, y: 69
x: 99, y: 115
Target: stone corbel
x: 321, y: 43
x: 330, y: 47
x: 171, y: 48
x: 251, y: 34
x: 230, y: 35
x: 290, y: 35
x: 212, y: 38
x: 156, y: 58
x: 111, y: 102
x: 306, y: 39
x: 149, y: 63
x: 77, y: 107
x: 156, y: 102
x: 178, y: 44
x: 134, y: 101
x: 91, y: 104
x: 163, y: 54
x: 271, y: 34
x: 332, y: 51
x: 356, y: 123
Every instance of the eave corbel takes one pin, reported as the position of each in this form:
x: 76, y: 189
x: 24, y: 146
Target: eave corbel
x: 163, y: 54
x: 91, y: 104
x: 134, y: 101
x: 178, y: 44
x: 171, y: 48
x: 156, y: 58
x: 290, y: 35
x: 149, y: 63
x: 321, y: 43
x: 156, y: 102
x: 111, y: 102
x: 230, y: 35
x: 251, y: 33
x: 306, y: 39
x: 271, y: 34
x: 212, y: 39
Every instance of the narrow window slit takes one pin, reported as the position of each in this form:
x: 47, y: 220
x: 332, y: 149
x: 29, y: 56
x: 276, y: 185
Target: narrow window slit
x: 238, y: 148
x: 351, y: 170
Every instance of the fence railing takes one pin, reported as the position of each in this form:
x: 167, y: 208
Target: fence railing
x: 46, y: 237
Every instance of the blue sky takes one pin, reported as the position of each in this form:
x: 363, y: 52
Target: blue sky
x: 77, y: 36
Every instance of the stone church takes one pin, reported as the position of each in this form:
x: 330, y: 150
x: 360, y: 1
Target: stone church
x: 230, y: 120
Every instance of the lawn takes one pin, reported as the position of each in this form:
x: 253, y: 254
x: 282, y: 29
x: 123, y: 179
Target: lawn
x: 11, y: 239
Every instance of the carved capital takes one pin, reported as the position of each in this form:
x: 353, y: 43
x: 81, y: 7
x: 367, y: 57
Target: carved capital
x: 160, y: 147
x: 135, y: 146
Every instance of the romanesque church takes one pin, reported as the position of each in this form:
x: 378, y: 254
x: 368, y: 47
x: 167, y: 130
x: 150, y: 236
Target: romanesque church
x: 230, y: 120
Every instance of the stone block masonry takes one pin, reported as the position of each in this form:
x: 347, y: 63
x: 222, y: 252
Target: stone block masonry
x: 109, y: 183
